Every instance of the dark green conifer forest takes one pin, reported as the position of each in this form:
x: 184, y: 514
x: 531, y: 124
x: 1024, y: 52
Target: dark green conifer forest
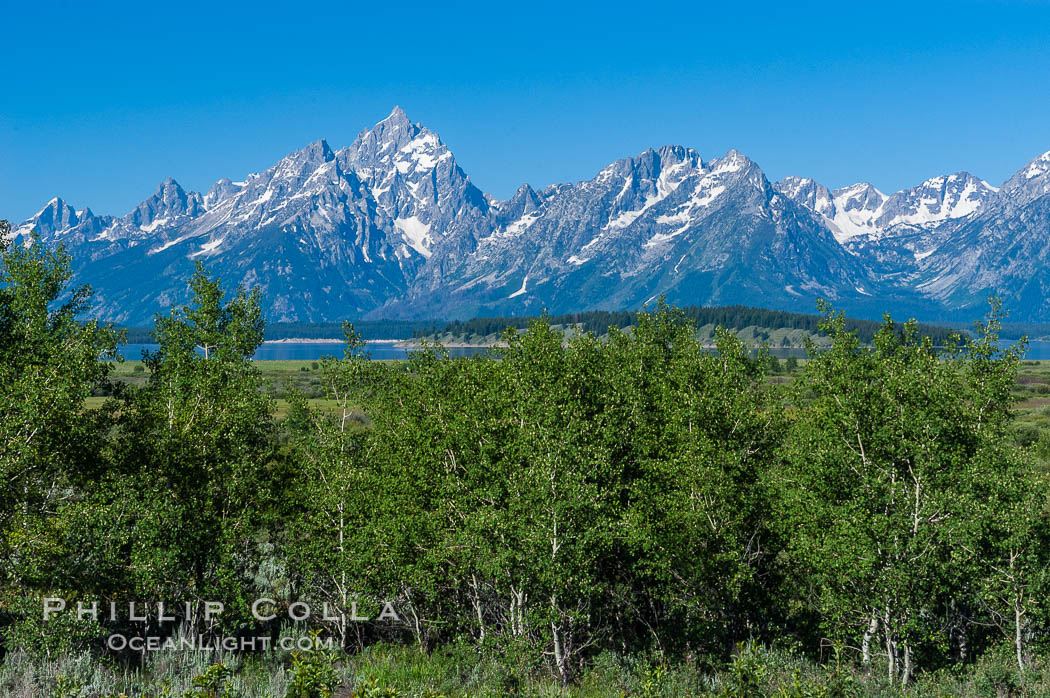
x: 616, y: 514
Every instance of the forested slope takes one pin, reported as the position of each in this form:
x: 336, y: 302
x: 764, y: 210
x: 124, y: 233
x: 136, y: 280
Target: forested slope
x: 734, y: 317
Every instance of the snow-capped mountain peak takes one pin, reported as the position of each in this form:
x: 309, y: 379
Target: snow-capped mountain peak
x: 1038, y: 167
x: 810, y: 193
x: 415, y: 181
x: 1030, y: 182
x: 377, y: 146
x: 54, y: 218
x: 936, y: 200
x: 732, y: 161
x: 220, y: 191
x: 169, y: 202
x: 862, y: 210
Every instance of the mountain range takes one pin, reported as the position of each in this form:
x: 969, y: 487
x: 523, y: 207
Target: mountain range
x: 391, y: 227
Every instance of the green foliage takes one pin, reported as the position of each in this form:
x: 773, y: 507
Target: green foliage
x: 747, y: 676
x: 313, y: 672
x: 49, y: 363
x: 44, y: 640
x: 196, y: 443
x: 899, y: 493
x: 519, y: 499
x: 66, y: 687
x: 215, y: 682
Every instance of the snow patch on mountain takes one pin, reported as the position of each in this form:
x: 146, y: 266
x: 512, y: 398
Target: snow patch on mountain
x: 416, y: 234
x: 1038, y: 167
x: 208, y: 248
x: 520, y: 291
x: 153, y: 225
x: 668, y: 181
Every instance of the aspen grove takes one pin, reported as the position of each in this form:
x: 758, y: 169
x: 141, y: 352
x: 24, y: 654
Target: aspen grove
x: 548, y: 502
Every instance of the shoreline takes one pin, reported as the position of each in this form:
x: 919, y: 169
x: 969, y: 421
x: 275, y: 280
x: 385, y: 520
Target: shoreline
x: 414, y: 344
x: 326, y: 340
x: 400, y: 343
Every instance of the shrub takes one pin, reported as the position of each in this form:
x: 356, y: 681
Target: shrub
x: 61, y: 635
x: 313, y: 673
x: 215, y: 682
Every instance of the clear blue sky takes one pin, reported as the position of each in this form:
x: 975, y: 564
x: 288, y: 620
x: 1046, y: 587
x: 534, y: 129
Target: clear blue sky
x: 99, y: 102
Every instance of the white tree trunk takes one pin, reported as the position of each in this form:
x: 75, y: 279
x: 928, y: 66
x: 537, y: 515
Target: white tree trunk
x: 865, y: 644
x: 891, y: 649
x: 1019, y: 632
x: 908, y: 667
x: 561, y: 661
x: 476, y: 602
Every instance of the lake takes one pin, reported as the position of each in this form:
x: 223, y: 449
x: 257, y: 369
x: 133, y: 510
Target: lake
x: 311, y: 351
x: 307, y: 351
x: 1037, y: 351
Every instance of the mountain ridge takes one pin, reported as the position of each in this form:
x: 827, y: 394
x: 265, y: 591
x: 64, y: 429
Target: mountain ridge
x: 390, y: 226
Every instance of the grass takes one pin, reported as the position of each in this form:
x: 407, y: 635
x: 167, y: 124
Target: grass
x: 331, y: 406
x: 458, y: 671
x: 281, y: 376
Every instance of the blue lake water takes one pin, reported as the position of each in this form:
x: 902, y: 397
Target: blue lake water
x: 306, y: 351
x: 1037, y: 351
x: 311, y: 351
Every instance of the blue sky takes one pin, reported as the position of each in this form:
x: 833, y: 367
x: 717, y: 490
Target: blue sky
x: 101, y: 101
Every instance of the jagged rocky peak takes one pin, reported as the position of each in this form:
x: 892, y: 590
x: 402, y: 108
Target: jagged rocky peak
x: 733, y: 160
x: 847, y: 212
x: 397, y: 124
x: 518, y: 212
x: 734, y: 166
x: 221, y: 190
x: 669, y: 186
x: 651, y: 173
x: 1030, y: 182
x: 169, y: 201
x: 380, y: 144
x: 317, y: 152
x: 303, y: 162
x: 55, y: 217
x: 861, y: 209
x: 525, y: 200
x: 396, y: 151
x: 809, y: 193
x: 859, y: 197
x: 676, y: 155
x: 1038, y: 167
x: 59, y: 219
x: 935, y: 200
